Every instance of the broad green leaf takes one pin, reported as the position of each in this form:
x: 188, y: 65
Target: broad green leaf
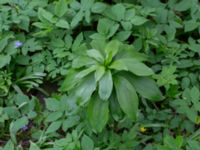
x: 63, y: 24
x: 190, y: 25
x: 85, y: 89
x: 99, y: 73
x: 93, y: 53
x: 87, y: 143
x: 54, y: 126
x: 132, y: 65
x: 116, y: 12
x: 105, y: 86
x: 122, y: 35
x: 52, y: 104
x: 104, y: 26
x: 70, y: 122
x: 98, y: 113
x: 45, y: 14
x: 54, y: 116
x: 127, y: 97
x: 4, y: 60
x: 98, y: 7
x: 138, y: 20
x: 183, y: 5
x: 111, y: 50
x: 146, y: 87
x: 61, y: 8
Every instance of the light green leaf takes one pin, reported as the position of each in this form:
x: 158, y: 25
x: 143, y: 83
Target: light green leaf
x: 190, y: 25
x: 54, y: 116
x: 127, y: 97
x: 87, y: 143
x: 183, y: 5
x: 116, y: 12
x: 99, y: 73
x: 93, y: 53
x: 98, y: 113
x: 9, y: 146
x: 98, y: 7
x: 52, y: 104
x: 77, y: 18
x: 85, y: 72
x: 3, y: 43
x: 61, y: 8
x: 45, y: 14
x: 132, y: 65
x: 104, y: 26
x: 54, y: 126
x: 63, y: 24
x: 106, y: 86
x: 34, y: 146
x: 85, y: 89
x: 111, y: 50
x: 138, y: 20
x: 81, y: 61
x: 4, y: 60
x: 70, y: 81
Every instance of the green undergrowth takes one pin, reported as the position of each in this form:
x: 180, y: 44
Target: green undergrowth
x: 99, y: 75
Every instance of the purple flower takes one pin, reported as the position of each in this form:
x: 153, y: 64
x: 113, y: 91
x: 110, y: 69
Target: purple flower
x: 24, y: 128
x: 18, y: 44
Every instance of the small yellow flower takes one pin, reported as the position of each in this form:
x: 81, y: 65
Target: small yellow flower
x: 143, y: 129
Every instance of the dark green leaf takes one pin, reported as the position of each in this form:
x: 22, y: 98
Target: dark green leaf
x: 98, y: 113
x: 105, y: 86
x: 127, y: 97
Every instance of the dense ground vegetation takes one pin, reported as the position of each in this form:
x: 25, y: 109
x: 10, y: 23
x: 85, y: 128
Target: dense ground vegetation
x: 99, y: 75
